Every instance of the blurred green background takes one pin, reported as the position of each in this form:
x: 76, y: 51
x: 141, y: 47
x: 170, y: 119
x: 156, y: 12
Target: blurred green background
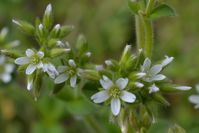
x: 108, y: 26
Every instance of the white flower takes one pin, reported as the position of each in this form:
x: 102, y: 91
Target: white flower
x: 151, y: 72
x: 48, y: 9
x: 153, y: 89
x: 195, y: 98
x: 33, y: 60
x: 5, y: 70
x: 114, y: 91
x: 167, y: 61
x: 183, y: 88
x: 99, y: 67
x: 68, y: 72
x: 50, y: 69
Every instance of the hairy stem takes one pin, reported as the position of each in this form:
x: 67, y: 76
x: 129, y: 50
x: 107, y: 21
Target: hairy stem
x: 148, y: 37
x: 139, y: 32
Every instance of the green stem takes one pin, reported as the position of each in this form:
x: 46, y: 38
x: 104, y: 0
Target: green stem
x: 148, y: 37
x: 139, y: 32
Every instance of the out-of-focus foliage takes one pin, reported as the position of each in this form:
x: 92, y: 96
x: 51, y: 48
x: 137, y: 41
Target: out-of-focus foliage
x: 108, y: 25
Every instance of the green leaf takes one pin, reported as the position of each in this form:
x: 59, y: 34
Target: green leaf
x: 133, y: 6
x: 162, y: 10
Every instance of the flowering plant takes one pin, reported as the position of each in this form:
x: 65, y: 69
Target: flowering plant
x: 129, y: 85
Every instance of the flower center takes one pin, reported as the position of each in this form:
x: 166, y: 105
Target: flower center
x: 114, y: 91
x: 72, y: 72
x: 35, y: 59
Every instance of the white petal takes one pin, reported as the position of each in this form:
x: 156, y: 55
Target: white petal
x: 6, y: 77
x: 194, y: 99
x: 139, y: 85
x: 73, y: 81
x: 9, y: 68
x: 72, y: 63
x: 158, y: 77
x: 48, y: 10
x: 146, y: 64
x: 2, y: 59
x: 40, y: 65
x: 51, y: 70
x: 106, y: 83
x: 108, y: 62
x: 40, y: 54
x: 100, y: 97
x: 30, y: 84
x: 99, y: 67
x: 29, y: 52
x: 197, y: 88
x: 155, y: 69
x: 153, y: 89
x: 22, y: 61
x: 62, y: 69
x: 61, y: 78
x: 30, y: 69
x: 115, y: 106
x: 122, y: 83
x: 167, y: 61
x: 183, y: 88
x: 140, y: 75
x: 128, y: 97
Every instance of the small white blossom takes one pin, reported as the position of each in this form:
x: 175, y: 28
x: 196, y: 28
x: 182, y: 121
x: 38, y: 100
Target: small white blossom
x: 114, y: 91
x: 33, y: 60
x: 50, y: 69
x: 57, y: 27
x: 48, y: 9
x: 41, y: 27
x: 139, y: 85
x: 5, y: 70
x: 195, y: 98
x: 167, y: 61
x: 108, y: 62
x: 99, y: 67
x: 152, y: 73
x: 183, y: 88
x: 68, y: 72
x: 88, y: 54
x: 153, y: 89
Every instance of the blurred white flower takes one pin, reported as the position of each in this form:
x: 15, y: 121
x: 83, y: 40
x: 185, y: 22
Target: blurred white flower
x: 195, y: 98
x: 33, y: 60
x: 68, y: 72
x: 152, y: 72
x: 183, y: 88
x: 5, y: 70
x: 115, y: 91
x: 50, y: 69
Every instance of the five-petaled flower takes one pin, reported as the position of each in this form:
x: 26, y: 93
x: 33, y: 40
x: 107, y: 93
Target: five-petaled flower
x: 33, y: 60
x: 5, y: 70
x: 68, y: 72
x: 114, y: 91
x: 152, y: 73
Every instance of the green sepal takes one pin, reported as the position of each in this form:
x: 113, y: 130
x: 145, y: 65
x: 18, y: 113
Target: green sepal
x: 58, y: 51
x: 10, y: 53
x: 82, y: 45
x: 22, y: 68
x: 25, y: 26
x: 65, y: 30
x: 125, y: 55
x: 162, y: 10
x: 159, y: 98
x: 90, y: 74
x: 48, y: 18
x: 37, y: 84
